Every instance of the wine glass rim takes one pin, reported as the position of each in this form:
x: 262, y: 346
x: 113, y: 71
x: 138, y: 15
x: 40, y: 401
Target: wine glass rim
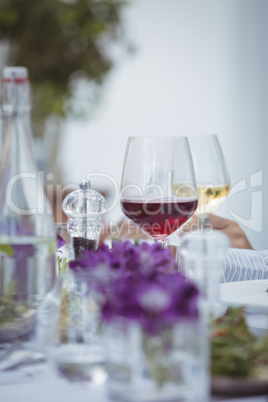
x: 203, y: 136
x: 156, y: 136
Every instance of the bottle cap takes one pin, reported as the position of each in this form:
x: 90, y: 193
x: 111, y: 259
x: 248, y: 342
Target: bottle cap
x: 15, y: 90
x: 16, y: 74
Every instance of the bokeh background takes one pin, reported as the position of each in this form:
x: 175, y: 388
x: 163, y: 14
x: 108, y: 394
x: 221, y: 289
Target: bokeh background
x: 192, y: 67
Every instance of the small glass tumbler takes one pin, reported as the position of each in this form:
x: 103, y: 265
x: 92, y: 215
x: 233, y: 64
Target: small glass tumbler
x: 75, y: 343
x: 202, y: 260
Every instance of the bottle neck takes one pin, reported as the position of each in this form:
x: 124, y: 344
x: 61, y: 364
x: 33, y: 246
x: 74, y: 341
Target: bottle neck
x: 17, y: 144
x: 24, y: 208
x: 17, y: 147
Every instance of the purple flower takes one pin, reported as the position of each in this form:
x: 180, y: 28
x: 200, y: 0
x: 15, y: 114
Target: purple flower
x: 60, y: 242
x: 155, y: 304
x: 127, y: 258
x: 140, y: 283
x: 92, y: 261
x: 154, y: 298
x: 153, y: 257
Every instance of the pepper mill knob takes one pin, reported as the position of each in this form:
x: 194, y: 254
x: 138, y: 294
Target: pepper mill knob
x: 85, y: 185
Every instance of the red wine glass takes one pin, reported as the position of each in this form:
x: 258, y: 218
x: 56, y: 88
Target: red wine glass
x: 158, y: 189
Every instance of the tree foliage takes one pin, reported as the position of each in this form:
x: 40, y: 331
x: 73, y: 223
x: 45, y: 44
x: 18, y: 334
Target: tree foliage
x: 60, y: 41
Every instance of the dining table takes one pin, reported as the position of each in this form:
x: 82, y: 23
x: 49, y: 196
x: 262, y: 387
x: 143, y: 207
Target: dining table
x: 36, y: 380
x: 38, y: 383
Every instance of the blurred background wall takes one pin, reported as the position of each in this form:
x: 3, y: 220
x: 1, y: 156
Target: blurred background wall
x: 200, y: 66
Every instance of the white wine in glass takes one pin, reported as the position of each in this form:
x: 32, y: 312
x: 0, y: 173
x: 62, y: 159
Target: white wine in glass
x: 210, y: 197
x: 213, y: 183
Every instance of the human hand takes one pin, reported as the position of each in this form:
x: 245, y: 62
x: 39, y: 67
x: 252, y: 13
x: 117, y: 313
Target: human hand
x: 237, y: 236
x: 125, y: 229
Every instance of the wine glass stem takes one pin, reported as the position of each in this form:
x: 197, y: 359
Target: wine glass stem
x: 203, y: 222
x: 162, y: 243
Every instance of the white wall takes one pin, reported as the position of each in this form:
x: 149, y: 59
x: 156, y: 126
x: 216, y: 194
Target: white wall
x: 200, y: 67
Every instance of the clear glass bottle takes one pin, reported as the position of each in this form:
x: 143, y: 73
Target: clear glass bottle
x: 27, y: 237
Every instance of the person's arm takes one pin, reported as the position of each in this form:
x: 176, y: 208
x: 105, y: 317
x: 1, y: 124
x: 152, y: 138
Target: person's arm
x: 125, y: 229
x: 243, y: 265
x: 242, y: 262
x: 237, y: 236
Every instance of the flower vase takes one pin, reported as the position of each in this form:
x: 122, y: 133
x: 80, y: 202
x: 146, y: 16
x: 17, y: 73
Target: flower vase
x: 170, y: 366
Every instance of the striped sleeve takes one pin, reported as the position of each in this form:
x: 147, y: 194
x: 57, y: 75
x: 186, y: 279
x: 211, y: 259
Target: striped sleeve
x: 243, y: 265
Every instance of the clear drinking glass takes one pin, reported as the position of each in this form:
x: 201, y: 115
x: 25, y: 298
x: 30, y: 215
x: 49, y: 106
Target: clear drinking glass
x: 73, y: 339
x: 158, y: 184
x: 213, y: 183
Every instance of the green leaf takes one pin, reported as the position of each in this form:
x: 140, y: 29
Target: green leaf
x: 51, y: 246
x: 63, y: 265
x: 7, y: 249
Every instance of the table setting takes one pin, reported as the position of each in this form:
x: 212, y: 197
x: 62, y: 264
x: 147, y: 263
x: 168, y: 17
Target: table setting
x: 125, y: 320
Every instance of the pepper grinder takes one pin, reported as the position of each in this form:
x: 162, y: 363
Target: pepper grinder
x: 85, y: 208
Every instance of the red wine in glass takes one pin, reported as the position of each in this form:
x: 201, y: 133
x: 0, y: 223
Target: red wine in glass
x: 159, y: 218
x: 154, y: 166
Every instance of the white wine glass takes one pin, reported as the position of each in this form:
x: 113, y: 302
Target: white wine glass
x: 212, y: 177
x: 154, y: 169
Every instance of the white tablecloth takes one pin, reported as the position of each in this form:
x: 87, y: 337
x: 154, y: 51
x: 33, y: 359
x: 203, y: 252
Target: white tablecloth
x: 38, y: 383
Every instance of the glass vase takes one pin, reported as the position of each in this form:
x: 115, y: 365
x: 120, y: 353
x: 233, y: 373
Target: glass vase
x: 170, y: 366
